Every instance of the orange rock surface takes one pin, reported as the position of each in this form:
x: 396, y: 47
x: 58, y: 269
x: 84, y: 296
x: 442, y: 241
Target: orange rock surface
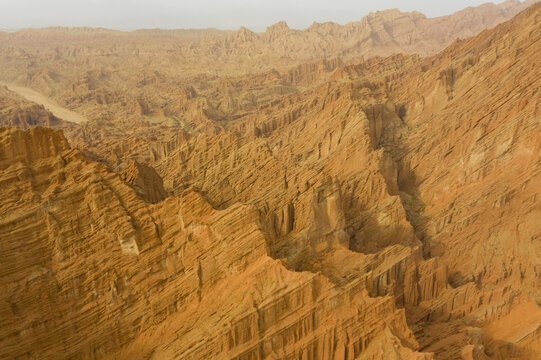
x: 331, y: 208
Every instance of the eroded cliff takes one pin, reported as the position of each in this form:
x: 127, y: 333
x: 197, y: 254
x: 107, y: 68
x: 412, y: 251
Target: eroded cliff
x: 383, y: 209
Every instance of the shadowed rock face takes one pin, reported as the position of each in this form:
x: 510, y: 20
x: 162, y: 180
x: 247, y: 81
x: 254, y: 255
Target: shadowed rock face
x: 145, y: 180
x: 386, y: 209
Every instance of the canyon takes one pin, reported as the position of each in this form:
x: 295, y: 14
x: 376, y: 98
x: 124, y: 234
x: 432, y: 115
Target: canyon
x: 365, y: 191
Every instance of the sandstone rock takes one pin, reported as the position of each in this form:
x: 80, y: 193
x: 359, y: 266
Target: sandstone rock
x: 329, y: 210
x: 179, y: 272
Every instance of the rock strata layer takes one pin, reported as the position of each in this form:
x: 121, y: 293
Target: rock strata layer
x: 335, y: 209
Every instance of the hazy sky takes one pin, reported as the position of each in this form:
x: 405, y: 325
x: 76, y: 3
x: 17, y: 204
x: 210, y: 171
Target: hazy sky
x: 222, y: 14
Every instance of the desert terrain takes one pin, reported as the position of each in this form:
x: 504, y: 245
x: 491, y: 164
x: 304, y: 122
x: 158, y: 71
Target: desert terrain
x: 361, y: 191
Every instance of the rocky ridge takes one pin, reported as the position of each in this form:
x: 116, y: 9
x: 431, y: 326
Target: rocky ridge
x: 387, y: 210
x: 204, y: 78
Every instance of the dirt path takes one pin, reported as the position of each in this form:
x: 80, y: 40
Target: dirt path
x: 49, y: 104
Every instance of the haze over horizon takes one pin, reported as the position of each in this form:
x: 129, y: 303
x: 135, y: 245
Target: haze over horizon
x: 226, y: 15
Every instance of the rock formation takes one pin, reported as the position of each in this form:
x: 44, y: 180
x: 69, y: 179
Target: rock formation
x: 143, y: 76
x: 383, y: 208
x: 154, y: 280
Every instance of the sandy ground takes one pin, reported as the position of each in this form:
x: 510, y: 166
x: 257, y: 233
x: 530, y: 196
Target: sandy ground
x: 49, y: 104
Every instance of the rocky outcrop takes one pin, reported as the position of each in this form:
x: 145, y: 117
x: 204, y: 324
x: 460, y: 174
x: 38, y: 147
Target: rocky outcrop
x: 470, y: 157
x: 382, y: 209
x: 26, y: 147
x: 179, y: 271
